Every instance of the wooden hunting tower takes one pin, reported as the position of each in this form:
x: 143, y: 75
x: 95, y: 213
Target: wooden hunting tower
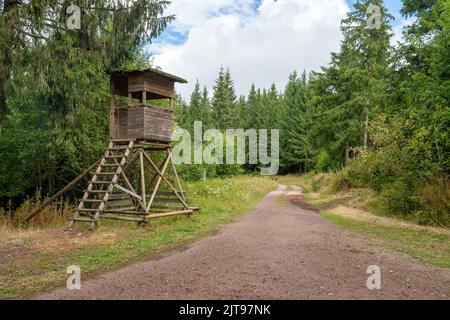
x: 136, y: 179
x: 137, y: 119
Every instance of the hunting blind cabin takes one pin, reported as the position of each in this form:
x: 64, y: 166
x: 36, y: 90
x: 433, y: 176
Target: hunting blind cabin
x: 127, y: 183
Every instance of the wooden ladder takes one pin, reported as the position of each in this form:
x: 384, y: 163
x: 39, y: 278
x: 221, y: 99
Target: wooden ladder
x: 110, y: 169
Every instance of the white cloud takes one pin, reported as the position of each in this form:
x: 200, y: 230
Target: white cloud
x: 398, y: 30
x: 261, y: 46
x: 195, y: 12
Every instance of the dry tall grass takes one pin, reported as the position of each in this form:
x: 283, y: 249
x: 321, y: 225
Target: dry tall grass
x: 12, y: 221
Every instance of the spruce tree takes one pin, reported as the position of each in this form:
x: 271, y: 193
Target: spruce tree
x: 195, y: 107
x: 251, y: 108
x: 205, y: 109
x: 269, y: 109
x: 110, y: 30
x: 54, y: 84
x: 295, y: 151
x: 224, y: 102
x: 352, y: 89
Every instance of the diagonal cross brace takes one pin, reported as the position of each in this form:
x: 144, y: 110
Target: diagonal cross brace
x: 161, y: 176
x: 158, y: 182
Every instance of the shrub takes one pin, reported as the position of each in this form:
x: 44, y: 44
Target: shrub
x: 400, y: 198
x: 317, y: 184
x: 435, y: 199
x: 192, y: 172
x: 339, y: 182
x: 323, y: 161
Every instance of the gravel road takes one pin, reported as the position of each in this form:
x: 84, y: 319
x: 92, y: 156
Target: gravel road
x: 278, y: 251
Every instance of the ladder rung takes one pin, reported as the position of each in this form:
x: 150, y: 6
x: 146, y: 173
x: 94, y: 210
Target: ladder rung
x: 91, y: 200
x: 96, y: 191
x: 115, y: 157
x: 102, y: 182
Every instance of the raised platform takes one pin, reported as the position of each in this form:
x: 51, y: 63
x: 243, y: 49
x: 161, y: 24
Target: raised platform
x: 143, y: 122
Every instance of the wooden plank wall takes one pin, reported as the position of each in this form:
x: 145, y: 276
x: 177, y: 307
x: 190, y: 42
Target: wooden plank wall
x: 135, y: 123
x: 120, y: 122
x: 158, y: 124
x: 146, y: 123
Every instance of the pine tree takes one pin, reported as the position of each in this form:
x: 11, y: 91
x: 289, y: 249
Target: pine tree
x: 224, y: 102
x: 195, y: 108
x: 205, y: 109
x: 351, y: 90
x: 251, y: 108
x: 241, y: 111
x: 57, y: 84
x: 111, y: 30
x: 181, y: 112
x: 295, y: 151
x: 269, y: 109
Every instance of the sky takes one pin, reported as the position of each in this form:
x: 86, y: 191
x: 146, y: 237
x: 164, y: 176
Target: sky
x: 260, y: 41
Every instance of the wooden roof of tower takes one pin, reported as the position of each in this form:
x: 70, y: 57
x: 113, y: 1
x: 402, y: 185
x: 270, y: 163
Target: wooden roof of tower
x: 156, y: 83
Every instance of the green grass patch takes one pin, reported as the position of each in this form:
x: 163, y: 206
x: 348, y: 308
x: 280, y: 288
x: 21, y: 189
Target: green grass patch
x: 428, y: 246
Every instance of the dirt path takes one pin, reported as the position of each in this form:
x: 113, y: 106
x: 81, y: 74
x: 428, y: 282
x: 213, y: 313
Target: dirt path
x: 278, y: 251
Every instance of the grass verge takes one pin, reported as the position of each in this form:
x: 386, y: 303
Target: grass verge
x: 427, y: 245
x: 349, y: 209
x: 40, y: 264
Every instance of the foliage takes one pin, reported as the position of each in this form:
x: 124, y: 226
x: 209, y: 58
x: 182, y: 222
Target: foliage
x: 378, y: 115
x: 323, y: 161
x: 294, y: 123
x: 54, y: 85
x: 408, y: 128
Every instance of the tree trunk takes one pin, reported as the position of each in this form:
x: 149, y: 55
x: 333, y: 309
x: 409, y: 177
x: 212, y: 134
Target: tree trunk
x: 7, y: 38
x: 3, y: 105
x: 347, y: 154
x: 366, y: 131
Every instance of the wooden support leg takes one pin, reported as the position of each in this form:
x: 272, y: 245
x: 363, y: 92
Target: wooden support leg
x: 141, y: 162
x: 165, y: 179
x: 174, y: 168
x: 158, y: 182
